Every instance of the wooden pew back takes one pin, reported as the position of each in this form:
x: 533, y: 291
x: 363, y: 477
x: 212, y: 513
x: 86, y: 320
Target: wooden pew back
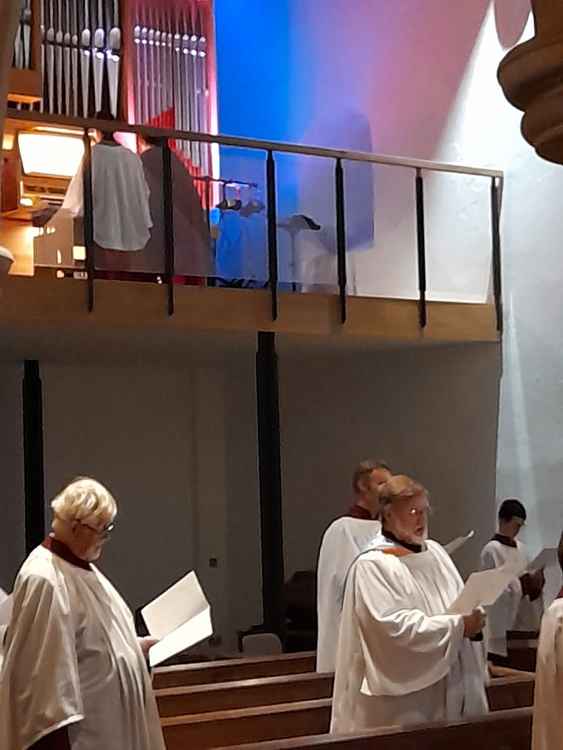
x: 501, y: 730
x: 241, y: 694
x: 228, y: 670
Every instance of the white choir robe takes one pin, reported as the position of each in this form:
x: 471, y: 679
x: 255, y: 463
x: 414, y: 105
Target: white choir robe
x: 73, y: 660
x: 401, y: 659
x: 343, y: 541
x: 547, y: 733
x: 120, y: 194
x: 511, y: 611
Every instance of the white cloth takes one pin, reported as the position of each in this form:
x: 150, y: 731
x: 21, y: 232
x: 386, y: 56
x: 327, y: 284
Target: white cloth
x: 511, y: 611
x: 122, y: 217
x: 343, y: 541
x: 73, y: 659
x: 401, y: 659
x: 547, y: 733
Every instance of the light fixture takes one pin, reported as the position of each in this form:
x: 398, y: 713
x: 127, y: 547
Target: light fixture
x: 8, y: 142
x: 27, y: 202
x: 50, y: 154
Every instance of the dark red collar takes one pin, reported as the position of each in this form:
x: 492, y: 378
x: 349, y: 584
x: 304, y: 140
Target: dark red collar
x: 506, y: 540
x: 560, y: 595
x: 61, y: 550
x: 358, y: 511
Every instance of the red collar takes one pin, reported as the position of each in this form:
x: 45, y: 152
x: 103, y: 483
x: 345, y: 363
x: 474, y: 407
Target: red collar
x: 358, y: 511
x: 61, y: 550
x: 560, y: 595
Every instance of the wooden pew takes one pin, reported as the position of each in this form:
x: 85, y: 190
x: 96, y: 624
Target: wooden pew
x: 274, y: 722
x: 223, y: 696
x: 501, y: 730
x: 216, y: 728
x: 233, y: 669
x: 513, y: 690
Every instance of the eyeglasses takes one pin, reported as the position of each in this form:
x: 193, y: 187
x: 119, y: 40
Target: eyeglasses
x: 427, y: 511
x: 104, y: 533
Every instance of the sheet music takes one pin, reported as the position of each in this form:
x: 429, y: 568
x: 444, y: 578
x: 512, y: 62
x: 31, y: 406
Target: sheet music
x: 482, y: 589
x: 180, y: 617
x: 458, y: 542
x: 6, y: 610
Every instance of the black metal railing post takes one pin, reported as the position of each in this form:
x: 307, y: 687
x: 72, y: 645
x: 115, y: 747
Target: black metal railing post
x: 341, y: 237
x: 88, y: 220
x: 421, y: 248
x: 496, y: 245
x: 168, y: 216
x: 272, y: 232
x: 34, y: 477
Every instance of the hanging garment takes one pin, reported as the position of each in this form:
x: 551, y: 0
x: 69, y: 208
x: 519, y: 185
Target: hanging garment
x: 72, y: 659
x: 547, y: 732
x: 343, y: 541
x: 512, y: 610
x: 401, y: 659
x: 120, y: 195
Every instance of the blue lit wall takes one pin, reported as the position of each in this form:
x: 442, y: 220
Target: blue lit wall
x: 253, y: 67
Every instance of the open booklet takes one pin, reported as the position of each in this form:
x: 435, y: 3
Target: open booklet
x: 458, y: 542
x: 6, y: 610
x: 482, y: 589
x: 179, y: 618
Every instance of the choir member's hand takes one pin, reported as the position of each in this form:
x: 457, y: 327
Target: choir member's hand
x: 474, y: 623
x: 146, y: 644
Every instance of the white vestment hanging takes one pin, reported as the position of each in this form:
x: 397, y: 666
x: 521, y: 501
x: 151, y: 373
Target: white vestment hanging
x: 512, y: 610
x: 547, y: 731
x: 401, y: 659
x: 72, y: 659
x: 120, y: 194
x: 343, y: 541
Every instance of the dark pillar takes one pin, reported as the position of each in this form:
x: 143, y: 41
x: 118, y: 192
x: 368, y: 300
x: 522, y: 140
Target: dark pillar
x: 269, y: 461
x: 33, y: 455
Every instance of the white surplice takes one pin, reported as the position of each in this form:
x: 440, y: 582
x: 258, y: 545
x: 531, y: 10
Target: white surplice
x: 401, y: 659
x: 343, y: 541
x: 72, y: 659
x: 512, y: 610
x: 547, y: 731
x: 122, y: 218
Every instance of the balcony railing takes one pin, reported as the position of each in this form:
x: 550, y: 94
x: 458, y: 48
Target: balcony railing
x: 420, y: 168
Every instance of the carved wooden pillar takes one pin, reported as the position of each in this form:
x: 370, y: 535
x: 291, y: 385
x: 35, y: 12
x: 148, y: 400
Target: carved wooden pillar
x: 531, y: 76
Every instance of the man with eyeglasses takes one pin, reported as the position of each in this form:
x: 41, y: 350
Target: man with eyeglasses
x: 520, y: 607
x: 342, y: 542
x: 74, y: 675
x: 402, y: 659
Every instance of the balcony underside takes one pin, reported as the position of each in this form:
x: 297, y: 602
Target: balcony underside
x: 61, y: 303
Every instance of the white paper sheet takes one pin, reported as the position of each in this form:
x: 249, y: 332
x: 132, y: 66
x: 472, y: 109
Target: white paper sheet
x: 545, y: 559
x: 482, y: 590
x: 179, y: 618
x: 458, y: 542
x: 6, y: 610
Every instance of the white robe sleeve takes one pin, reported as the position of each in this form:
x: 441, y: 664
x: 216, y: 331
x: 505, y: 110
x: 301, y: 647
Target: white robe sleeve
x: 40, y: 689
x: 548, y: 699
x: 404, y: 649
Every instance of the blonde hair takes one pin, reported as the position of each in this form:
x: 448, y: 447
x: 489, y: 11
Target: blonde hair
x: 397, y: 487
x: 85, y: 499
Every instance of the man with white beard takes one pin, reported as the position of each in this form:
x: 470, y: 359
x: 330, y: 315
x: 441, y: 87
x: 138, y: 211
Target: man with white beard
x: 342, y: 542
x: 402, y: 659
x: 547, y: 731
x: 74, y: 675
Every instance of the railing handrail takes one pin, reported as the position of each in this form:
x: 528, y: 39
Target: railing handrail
x: 253, y: 144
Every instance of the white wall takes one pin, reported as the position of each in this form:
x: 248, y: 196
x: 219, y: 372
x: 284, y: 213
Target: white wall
x: 432, y: 413
x: 176, y: 443
x: 12, y: 521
